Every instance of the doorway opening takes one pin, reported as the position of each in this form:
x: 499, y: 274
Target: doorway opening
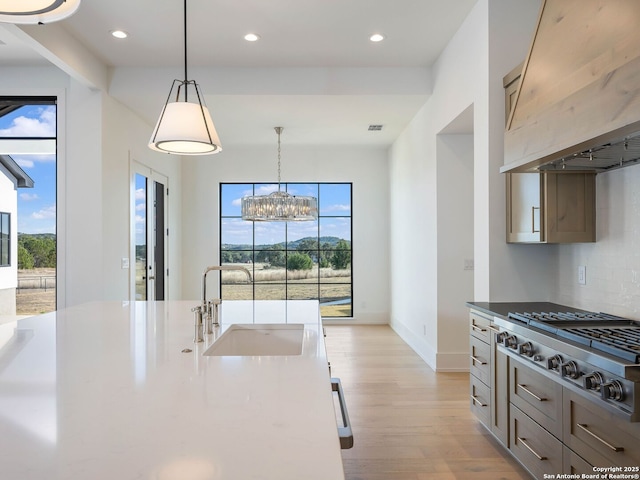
x: 149, y: 239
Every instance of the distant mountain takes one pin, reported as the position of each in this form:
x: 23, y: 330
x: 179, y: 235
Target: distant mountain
x: 36, y: 235
x: 331, y: 241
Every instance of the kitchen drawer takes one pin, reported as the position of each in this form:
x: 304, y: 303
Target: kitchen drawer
x: 538, y: 450
x: 480, y: 400
x: 574, y: 463
x: 479, y: 326
x: 597, y: 435
x: 536, y: 395
x: 480, y: 360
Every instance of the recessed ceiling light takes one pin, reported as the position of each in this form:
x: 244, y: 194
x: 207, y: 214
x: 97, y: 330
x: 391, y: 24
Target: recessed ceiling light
x: 119, y: 34
x: 252, y: 37
x: 376, y: 37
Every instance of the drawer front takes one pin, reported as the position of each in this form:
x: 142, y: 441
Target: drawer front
x: 480, y: 361
x: 479, y: 327
x: 538, y: 450
x: 599, y: 436
x: 536, y: 395
x: 480, y: 401
x: 575, y: 464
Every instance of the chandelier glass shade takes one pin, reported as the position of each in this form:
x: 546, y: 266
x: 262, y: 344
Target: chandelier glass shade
x: 279, y: 206
x: 185, y: 126
x: 36, y: 11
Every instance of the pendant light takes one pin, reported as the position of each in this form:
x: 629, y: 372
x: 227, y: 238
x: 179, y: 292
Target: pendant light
x: 279, y: 206
x: 33, y: 12
x: 185, y: 126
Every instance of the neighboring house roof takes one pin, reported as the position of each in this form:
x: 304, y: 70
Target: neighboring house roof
x: 23, y: 180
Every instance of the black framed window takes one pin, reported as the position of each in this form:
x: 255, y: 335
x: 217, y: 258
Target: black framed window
x: 5, y: 239
x: 290, y: 260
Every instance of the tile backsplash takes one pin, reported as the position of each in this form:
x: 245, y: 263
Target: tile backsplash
x: 613, y: 262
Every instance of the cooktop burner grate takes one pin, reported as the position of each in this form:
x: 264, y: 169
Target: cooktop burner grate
x: 623, y: 342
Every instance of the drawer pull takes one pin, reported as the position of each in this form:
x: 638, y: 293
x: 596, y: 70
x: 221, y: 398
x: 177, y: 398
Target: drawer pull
x: 479, y: 360
x: 494, y: 329
x: 524, y: 388
x: 478, y: 401
x: 604, y: 442
x: 478, y: 329
x: 537, y: 455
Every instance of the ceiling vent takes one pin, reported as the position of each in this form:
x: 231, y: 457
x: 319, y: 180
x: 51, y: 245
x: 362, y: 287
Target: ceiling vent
x: 375, y: 128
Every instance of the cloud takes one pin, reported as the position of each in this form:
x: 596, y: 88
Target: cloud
x: 29, y: 197
x: 337, y: 208
x: 140, y: 219
x: 47, y: 212
x: 141, y: 194
x: 23, y: 162
x: 141, y: 207
x: 43, y: 125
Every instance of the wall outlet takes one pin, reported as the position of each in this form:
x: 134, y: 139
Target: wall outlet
x: 468, y: 263
x: 582, y: 275
x: 124, y: 262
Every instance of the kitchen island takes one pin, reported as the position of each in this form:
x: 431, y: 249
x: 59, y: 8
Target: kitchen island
x: 119, y: 390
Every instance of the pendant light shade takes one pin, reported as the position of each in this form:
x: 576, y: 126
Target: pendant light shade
x: 185, y: 126
x: 279, y: 206
x: 36, y: 11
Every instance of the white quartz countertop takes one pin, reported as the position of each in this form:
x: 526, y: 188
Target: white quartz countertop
x: 104, y: 391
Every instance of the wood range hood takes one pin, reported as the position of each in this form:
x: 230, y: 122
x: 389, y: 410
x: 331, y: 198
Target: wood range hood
x: 578, y: 103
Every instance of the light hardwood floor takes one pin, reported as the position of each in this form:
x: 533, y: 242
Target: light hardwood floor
x: 409, y: 423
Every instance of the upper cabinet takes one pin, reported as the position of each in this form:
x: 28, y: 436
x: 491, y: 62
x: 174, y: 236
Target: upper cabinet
x: 511, y: 82
x: 551, y: 207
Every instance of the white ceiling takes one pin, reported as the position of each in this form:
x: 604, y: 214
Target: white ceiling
x: 313, y: 71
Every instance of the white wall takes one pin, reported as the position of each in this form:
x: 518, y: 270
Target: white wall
x: 365, y: 167
x: 455, y: 246
x: 492, y: 40
x: 9, y: 274
x: 613, y: 262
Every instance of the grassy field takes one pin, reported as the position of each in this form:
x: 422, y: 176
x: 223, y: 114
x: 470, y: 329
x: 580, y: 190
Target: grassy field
x: 269, y: 285
x: 32, y: 298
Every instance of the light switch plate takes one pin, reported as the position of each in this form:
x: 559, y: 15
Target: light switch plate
x: 124, y: 263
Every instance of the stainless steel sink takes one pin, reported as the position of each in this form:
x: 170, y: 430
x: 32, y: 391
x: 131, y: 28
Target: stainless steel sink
x: 259, y: 339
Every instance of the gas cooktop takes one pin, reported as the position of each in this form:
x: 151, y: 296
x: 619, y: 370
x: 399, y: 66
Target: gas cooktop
x: 614, y: 335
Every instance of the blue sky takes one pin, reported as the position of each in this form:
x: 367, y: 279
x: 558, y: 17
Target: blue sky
x: 36, y: 206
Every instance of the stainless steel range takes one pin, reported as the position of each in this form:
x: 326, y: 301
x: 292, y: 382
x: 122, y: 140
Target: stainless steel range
x: 594, y: 354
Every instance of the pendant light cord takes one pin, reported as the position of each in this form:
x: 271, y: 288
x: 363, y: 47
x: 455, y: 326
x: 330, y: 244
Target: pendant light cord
x: 278, y: 131
x: 185, y: 51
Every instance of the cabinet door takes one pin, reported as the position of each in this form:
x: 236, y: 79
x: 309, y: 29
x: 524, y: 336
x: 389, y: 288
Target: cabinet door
x: 524, y: 223
x: 570, y: 206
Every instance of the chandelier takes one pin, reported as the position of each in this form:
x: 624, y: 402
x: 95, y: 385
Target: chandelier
x: 279, y: 206
x: 184, y: 127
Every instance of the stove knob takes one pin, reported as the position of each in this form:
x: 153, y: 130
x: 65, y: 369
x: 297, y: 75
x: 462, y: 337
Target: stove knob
x: 570, y: 369
x: 612, y: 391
x: 511, y: 341
x: 553, y: 363
x: 593, y: 381
x: 501, y: 336
x: 526, y: 348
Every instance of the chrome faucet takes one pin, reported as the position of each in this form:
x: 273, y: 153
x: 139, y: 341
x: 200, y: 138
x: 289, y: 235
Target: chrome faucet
x: 210, y: 308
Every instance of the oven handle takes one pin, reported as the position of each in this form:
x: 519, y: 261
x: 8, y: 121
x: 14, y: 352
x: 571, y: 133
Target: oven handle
x: 478, y: 329
x: 524, y: 387
x: 604, y: 442
x: 345, y: 433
